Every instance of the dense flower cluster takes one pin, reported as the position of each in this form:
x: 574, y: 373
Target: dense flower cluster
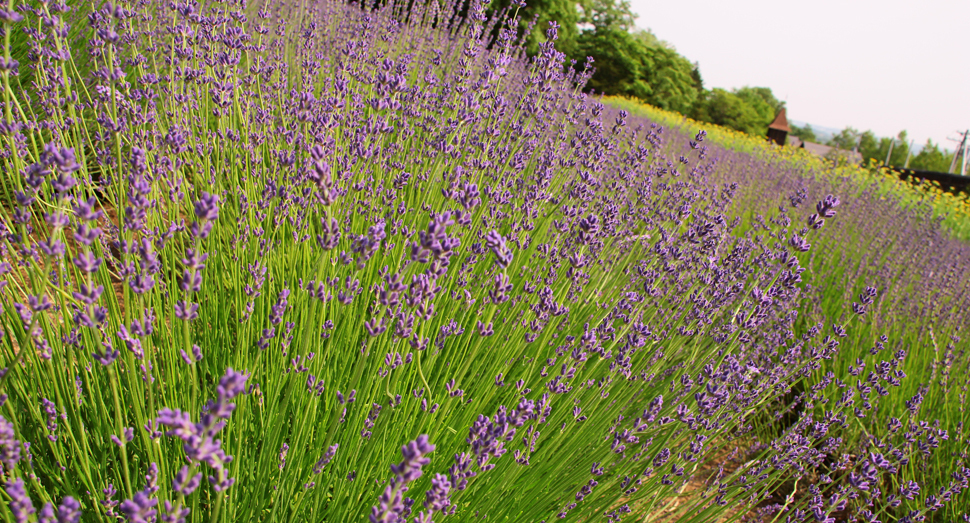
x: 403, y: 229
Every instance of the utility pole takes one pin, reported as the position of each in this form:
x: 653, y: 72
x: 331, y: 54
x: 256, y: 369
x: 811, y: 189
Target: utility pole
x: 890, y: 153
x: 960, y: 152
x: 966, y: 149
x: 909, y: 152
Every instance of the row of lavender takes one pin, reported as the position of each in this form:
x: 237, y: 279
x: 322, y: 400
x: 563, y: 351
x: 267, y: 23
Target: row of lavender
x: 252, y: 254
x: 920, y: 273
x: 922, y: 278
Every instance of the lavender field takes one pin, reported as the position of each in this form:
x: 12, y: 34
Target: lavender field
x: 312, y: 261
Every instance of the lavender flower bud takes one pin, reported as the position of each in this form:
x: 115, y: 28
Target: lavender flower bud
x: 208, y: 207
x: 20, y: 504
x: 185, y: 485
x: 9, y: 445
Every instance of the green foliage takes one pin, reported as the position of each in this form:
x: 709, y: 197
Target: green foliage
x: 602, y: 14
x: 672, y: 80
x: 869, y: 146
x: 695, y: 75
x: 846, y: 139
x: 726, y: 108
x: 762, y: 101
x: 931, y: 158
x: 626, y: 66
x: 564, y: 12
x: 632, y: 62
x: 900, y: 150
x: 875, y: 148
x: 616, y: 56
x: 748, y: 109
x: 647, y: 38
x: 638, y: 64
x: 806, y: 133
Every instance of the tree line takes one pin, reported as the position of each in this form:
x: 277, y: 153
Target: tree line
x: 635, y: 63
x: 929, y: 158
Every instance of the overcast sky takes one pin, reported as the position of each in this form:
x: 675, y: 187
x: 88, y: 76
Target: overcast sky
x: 883, y: 65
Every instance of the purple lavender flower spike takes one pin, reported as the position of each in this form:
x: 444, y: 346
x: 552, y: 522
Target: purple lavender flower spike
x: 207, y: 208
x: 85, y: 210
x: 87, y: 262
x: 139, y: 509
x: 186, y: 311
x: 199, y: 443
x: 185, y: 485
x: 9, y: 445
x: 392, y: 505
x: 20, y: 504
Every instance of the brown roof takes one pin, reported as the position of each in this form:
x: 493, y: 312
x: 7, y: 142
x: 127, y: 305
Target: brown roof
x: 781, y: 122
x: 817, y: 148
x: 854, y: 157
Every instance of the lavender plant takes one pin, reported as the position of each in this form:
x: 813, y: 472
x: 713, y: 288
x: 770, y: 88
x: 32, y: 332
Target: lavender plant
x: 261, y: 248
x: 897, y: 265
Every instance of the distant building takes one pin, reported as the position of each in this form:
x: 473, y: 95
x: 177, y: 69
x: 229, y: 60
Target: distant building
x: 826, y: 151
x: 778, y: 129
x: 778, y: 132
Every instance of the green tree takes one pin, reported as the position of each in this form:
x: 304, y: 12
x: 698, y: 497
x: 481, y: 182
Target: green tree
x: 847, y: 139
x: 931, y: 158
x: 647, y: 38
x: 625, y: 66
x: 672, y: 80
x: 762, y: 101
x: 869, y: 147
x: 603, y: 14
x: 730, y: 110
x: 748, y: 109
x: 564, y: 12
x: 900, y: 150
x: 872, y: 147
x: 616, y: 55
x: 806, y: 133
x: 695, y: 75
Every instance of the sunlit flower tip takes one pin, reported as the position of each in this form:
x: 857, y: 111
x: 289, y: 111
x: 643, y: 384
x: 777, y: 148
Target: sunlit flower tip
x: 553, y: 31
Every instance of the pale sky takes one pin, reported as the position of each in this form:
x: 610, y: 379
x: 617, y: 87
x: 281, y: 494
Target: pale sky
x: 882, y: 65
